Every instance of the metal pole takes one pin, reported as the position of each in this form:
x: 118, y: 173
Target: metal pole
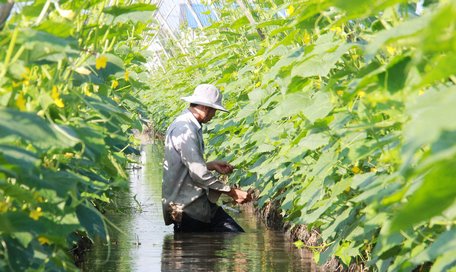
x: 249, y: 16
x: 171, y: 33
x: 163, y: 48
x: 214, y: 12
x: 159, y: 61
x: 192, y: 11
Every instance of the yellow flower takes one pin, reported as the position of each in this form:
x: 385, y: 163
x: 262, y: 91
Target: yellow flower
x: 114, y: 84
x: 258, y: 84
x: 356, y: 169
x: 36, y: 214
x: 96, y: 88
x: 391, y: 50
x: 25, y: 75
x: 421, y: 92
x: 68, y: 155
x: 100, y: 62
x: 306, y: 38
x: 290, y: 10
x: 37, y: 197
x: 373, y: 170
x: 20, y: 102
x: 116, y: 98
x: 86, y: 90
x: 361, y: 94
x: 336, y: 29
x: 59, y: 103
x: 348, y: 189
x: 56, y: 97
x: 127, y: 75
x: 43, y: 240
x: 4, y: 206
x: 340, y: 93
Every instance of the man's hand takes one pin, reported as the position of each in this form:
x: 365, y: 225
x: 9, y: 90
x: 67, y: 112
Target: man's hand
x: 240, y: 196
x: 221, y: 167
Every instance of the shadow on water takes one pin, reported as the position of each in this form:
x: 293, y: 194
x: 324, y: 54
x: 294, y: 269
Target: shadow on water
x: 146, y: 244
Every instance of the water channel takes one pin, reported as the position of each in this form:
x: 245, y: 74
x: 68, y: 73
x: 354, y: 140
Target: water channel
x: 141, y: 241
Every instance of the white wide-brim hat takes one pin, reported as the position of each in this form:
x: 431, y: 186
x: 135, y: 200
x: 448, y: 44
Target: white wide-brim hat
x: 206, y: 95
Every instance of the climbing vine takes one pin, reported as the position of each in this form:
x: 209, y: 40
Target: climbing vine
x: 341, y: 111
x: 67, y: 75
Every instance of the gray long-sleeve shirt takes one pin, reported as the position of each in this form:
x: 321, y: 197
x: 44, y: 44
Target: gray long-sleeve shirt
x: 186, y: 180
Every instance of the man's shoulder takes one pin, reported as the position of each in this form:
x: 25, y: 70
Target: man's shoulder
x: 184, y: 120
x: 180, y: 126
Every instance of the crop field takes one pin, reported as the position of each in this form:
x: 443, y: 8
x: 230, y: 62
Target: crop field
x: 342, y: 112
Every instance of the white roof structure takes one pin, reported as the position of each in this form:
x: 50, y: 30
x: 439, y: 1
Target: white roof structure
x: 172, y: 17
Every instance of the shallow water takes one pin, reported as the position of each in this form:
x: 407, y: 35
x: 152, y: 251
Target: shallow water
x: 142, y: 242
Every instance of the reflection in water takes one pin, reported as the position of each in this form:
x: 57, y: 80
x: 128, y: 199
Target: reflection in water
x: 139, y: 216
x: 227, y: 252
x: 256, y: 250
x: 188, y: 251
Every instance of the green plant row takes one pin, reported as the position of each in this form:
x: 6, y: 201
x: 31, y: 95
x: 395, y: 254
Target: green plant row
x: 67, y: 72
x: 342, y: 111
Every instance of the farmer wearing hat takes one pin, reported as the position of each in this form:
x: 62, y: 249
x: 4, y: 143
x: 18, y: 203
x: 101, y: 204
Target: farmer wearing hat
x: 190, y: 190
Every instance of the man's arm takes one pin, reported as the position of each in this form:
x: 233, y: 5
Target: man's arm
x: 221, y: 167
x: 186, y: 143
x: 240, y: 196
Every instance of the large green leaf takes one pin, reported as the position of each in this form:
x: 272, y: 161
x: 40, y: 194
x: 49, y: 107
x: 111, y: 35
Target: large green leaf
x: 11, y: 222
x: 445, y: 243
x: 314, y: 141
x: 407, y: 29
x: 361, y: 8
x: 24, y: 161
x: 395, y: 76
x: 320, y: 63
x: 445, y: 261
x: 138, y: 12
x: 63, y: 183
x: 284, y: 62
x: 288, y: 105
x: 436, y: 194
x: 313, y: 108
x: 92, y: 222
x: 93, y: 139
x: 119, y: 10
x: 243, y: 21
x: 319, y: 107
x: 16, y: 191
x: 33, y: 129
x: 440, y: 69
x: 45, y: 46
x: 427, y: 125
x: 388, y: 245
x: 62, y: 29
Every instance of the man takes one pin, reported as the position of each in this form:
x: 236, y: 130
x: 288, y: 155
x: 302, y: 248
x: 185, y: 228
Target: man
x: 190, y: 190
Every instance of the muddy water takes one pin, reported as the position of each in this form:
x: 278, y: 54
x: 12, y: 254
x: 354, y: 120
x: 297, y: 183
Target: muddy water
x: 141, y: 242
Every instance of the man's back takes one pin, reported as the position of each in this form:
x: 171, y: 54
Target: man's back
x: 190, y: 190
x: 186, y: 179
